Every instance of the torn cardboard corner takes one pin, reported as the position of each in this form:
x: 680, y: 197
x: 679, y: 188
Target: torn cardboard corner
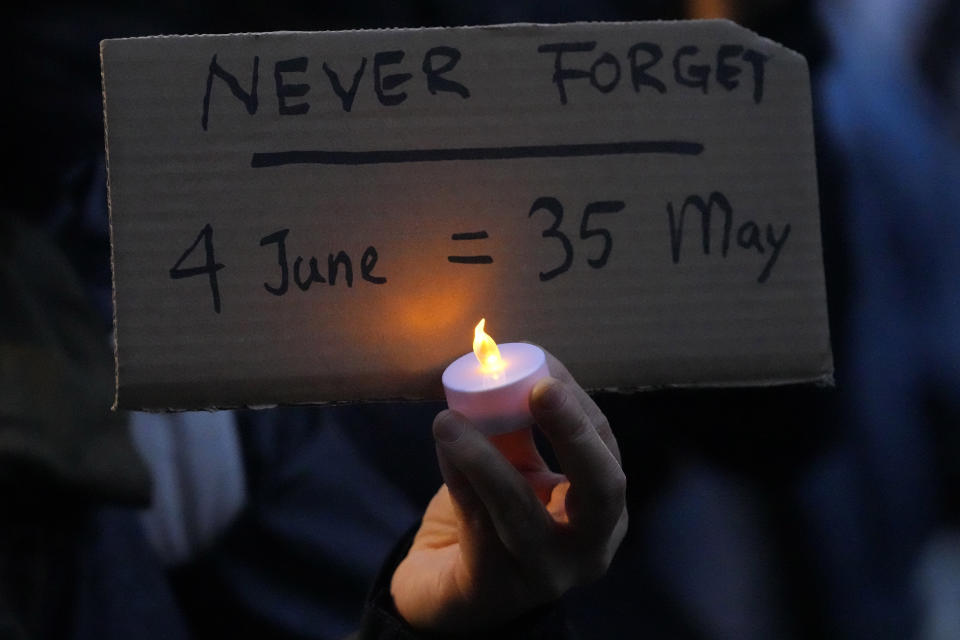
x: 321, y: 217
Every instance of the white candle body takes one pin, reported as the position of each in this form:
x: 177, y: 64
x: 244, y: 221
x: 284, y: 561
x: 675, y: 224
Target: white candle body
x: 496, y: 402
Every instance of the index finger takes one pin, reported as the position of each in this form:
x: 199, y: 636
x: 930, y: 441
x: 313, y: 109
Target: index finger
x: 599, y: 421
x: 597, y: 482
x: 520, y: 519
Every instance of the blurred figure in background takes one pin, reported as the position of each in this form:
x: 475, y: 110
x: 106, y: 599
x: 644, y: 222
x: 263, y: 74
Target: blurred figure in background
x: 890, y: 99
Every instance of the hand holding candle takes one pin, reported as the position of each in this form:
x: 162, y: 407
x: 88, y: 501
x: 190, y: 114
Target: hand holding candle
x: 506, y: 533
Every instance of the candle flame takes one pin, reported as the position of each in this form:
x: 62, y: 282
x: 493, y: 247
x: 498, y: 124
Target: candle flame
x: 485, y: 348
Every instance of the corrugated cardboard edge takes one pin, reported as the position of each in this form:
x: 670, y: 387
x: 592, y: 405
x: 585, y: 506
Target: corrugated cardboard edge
x: 494, y: 27
x: 113, y: 268
x: 491, y: 27
x: 823, y: 380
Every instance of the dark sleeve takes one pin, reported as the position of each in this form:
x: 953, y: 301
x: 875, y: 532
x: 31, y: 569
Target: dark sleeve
x: 382, y: 622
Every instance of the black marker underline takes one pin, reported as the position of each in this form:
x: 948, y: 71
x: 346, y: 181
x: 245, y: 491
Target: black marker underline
x: 470, y: 259
x: 393, y: 156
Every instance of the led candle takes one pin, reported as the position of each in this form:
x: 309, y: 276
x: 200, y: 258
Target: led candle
x: 492, y: 385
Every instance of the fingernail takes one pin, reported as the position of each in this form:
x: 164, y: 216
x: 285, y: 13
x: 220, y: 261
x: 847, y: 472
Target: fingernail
x: 549, y: 394
x: 447, y: 427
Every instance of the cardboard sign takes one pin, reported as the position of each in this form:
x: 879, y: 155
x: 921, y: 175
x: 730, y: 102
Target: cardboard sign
x: 316, y: 217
